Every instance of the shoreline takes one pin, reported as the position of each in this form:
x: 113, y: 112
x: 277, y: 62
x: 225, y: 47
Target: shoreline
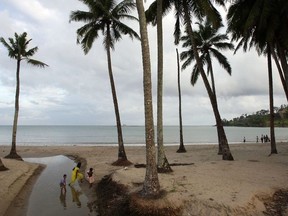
x: 209, y: 185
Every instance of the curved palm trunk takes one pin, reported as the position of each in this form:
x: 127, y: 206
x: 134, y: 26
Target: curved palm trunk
x: 181, y: 148
x: 226, y: 154
x: 284, y: 64
x: 13, y: 153
x: 280, y: 73
x: 220, y: 152
x: 121, y: 151
x: 2, y: 167
x: 163, y: 164
x: 272, y: 133
x: 151, y: 186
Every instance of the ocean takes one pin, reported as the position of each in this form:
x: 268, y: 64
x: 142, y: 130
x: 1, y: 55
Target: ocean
x: 132, y: 135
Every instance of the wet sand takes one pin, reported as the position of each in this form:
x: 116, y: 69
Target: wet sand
x: 209, y: 186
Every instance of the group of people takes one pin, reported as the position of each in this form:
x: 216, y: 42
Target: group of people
x: 264, y: 138
x: 77, y: 175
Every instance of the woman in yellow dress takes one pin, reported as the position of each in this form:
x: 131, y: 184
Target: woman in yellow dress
x: 76, y: 175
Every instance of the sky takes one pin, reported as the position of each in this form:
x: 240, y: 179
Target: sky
x: 75, y: 88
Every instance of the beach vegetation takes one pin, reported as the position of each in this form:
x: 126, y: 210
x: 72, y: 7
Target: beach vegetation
x: 17, y: 49
x: 151, y: 186
x: 105, y: 16
x: 209, y: 43
x: 185, y: 12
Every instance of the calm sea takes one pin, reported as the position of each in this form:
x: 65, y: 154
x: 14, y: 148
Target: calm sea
x: 132, y: 135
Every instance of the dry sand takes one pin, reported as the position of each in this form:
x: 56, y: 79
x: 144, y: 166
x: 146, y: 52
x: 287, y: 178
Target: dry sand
x: 208, y: 186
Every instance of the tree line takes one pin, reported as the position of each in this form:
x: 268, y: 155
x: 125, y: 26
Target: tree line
x: 260, y: 24
x: 260, y: 118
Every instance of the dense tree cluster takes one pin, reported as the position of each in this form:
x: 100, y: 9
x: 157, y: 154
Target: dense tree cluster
x: 260, y: 119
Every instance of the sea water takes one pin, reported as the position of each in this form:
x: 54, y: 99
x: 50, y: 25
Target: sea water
x: 132, y: 135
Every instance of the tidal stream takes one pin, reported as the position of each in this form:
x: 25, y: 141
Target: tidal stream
x: 46, y: 198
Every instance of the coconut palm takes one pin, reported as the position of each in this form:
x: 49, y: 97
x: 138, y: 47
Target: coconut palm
x: 208, y: 42
x: 181, y: 148
x: 151, y: 186
x: 17, y: 49
x: 255, y: 24
x: 162, y: 162
x: 105, y: 16
x: 185, y: 10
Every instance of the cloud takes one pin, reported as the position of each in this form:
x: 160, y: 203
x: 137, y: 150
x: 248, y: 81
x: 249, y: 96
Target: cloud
x: 75, y: 88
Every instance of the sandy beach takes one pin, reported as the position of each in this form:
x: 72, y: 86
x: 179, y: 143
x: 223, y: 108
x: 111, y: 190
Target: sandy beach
x: 206, y: 185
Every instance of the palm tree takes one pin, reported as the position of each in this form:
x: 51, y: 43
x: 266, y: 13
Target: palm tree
x: 151, y: 186
x: 208, y: 42
x: 105, y: 16
x: 250, y: 23
x: 181, y: 148
x: 17, y: 49
x: 184, y: 11
x: 163, y: 164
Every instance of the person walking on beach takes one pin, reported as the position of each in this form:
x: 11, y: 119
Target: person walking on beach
x: 76, y: 175
x: 63, y: 184
x: 90, y: 176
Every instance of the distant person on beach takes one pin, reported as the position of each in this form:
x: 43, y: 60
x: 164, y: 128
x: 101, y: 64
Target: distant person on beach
x: 262, y: 138
x: 90, y: 176
x: 63, y: 184
x: 76, y: 175
x: 257, y: 139
x: 244, y: 140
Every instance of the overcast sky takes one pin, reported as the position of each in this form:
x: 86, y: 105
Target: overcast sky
x: 75, y: 88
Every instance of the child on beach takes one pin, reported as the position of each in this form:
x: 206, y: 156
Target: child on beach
x: 90, y: 176
x: 63, y: 184
x: 76, y: 175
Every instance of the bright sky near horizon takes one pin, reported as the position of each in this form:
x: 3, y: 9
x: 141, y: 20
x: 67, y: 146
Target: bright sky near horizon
x: 75, y: 88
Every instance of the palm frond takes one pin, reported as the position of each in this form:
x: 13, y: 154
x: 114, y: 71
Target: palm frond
x: 36, y: 63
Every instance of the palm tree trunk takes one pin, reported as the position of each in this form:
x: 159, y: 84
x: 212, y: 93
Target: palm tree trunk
x: 13, y: 153
x: 2, y: 167
x: 163, y: 164
x: 280, y: 73
x: 284, y: 64
x: 181, y: 146
x: 121, y: 151
x: 151, y: 186
x: 272, y: 133
x: 224, y: 143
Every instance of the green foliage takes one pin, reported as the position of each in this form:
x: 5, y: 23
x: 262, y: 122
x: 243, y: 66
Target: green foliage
x: 261, y: 118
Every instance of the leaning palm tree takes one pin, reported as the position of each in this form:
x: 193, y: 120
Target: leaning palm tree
x: 208, y: 42
x: 185, y: 10
x: 17, y: 49
x: 105, y: 16
x: 151, y: 186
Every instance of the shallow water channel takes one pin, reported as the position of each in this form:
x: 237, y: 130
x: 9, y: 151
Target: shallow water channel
x: 46, y: 198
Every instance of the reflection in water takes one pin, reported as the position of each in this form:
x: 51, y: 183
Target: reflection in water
x: 48, y: 198
x: 75, y: 196
x: 63, y: 198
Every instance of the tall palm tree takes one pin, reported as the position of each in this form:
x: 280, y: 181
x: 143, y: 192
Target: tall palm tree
x: 105, y: 16
x: 208, y: 42
x: 181, y: 148
x: 151, y: 186
x: 17, y: 49
x: 163, y: 164
x: 185, y: 10
x: 249, y: 22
